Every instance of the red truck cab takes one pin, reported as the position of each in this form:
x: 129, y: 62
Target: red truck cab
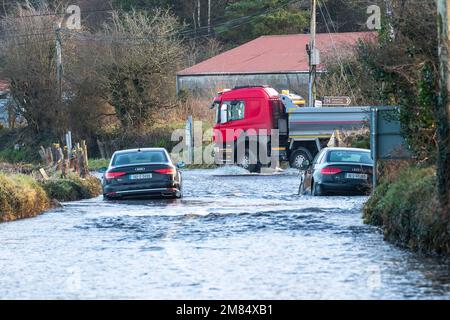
x: 244, y: 112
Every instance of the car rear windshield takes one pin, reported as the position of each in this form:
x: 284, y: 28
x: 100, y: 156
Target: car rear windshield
x: 143, y: 157
x: 349, y: 156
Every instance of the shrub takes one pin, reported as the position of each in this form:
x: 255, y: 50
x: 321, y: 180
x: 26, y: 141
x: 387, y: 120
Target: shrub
x: 72, y: 188
x: 407, y: 210
x: 96, y: 164
x: 13, y: 156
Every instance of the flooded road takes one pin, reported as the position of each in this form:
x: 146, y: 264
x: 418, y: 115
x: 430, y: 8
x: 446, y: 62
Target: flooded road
x: 231, y: 237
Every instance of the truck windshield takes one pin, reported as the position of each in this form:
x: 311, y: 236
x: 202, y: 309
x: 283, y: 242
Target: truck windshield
x: 235, y: 110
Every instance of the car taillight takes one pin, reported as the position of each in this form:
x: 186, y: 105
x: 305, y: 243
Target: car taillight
x: 114, y: 175
x: 331, y: 170
x: 166, y: 171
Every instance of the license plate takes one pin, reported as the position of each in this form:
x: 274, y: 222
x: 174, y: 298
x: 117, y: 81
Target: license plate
x: 141, y: 176
x: 358, y: 176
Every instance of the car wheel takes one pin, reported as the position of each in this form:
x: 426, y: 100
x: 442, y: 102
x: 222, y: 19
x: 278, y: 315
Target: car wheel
x: 316, y: 190
x: 298, y: 157
x: 244, y: 162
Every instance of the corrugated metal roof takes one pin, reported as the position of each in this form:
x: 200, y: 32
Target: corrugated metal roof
x: 273, y: 54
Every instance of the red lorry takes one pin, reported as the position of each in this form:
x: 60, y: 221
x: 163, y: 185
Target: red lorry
x: 246, y: 116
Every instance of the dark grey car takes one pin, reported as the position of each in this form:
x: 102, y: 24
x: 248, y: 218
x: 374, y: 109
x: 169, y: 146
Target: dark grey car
x: 142, y: 173
x: 338, y: 171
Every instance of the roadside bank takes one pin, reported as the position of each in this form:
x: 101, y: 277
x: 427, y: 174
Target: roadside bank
x: 23, y: 196
x: 407, y: 209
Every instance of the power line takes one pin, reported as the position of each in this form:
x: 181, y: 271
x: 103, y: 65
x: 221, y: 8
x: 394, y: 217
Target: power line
x: 23, y: 35
x: 188, y: 33
x: 340, y: 60
x: 50, y: 14
x: 242, y: 20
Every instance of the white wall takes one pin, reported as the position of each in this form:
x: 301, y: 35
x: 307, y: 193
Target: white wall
x: 3, y: 112
x: 208, y: 85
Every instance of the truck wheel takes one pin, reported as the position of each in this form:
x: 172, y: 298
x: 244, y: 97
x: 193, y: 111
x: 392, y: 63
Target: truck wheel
x: 298, y: 157
x: 244, y: 162
x: 316, y: 190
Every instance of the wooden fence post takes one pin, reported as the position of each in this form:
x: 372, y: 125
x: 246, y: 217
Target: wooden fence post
x: 85, y: 160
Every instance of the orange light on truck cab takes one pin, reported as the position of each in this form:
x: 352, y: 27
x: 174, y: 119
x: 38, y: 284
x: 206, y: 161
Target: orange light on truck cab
x: 220, y: 92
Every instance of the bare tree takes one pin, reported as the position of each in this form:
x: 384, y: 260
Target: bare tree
x: 28, y: 54
x: 139, y: 66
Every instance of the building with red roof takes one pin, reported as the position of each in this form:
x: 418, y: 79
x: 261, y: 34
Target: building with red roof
x: 277, y: 61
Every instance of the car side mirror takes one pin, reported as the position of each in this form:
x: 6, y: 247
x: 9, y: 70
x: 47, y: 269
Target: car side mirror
x: 305, y: 165
x: 180, y: 165
x: 102, y: 170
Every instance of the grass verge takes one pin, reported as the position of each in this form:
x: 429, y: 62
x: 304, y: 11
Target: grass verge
x: 22, y: 196
x: 407, y: 211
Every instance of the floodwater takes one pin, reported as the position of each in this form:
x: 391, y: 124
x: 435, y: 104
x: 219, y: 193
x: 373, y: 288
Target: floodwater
x: 230, y: 237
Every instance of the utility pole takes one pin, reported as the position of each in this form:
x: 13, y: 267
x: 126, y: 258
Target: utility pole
x: 199, y: 13
x: 59, y: 61
x: 311, y: 49
x: 389, y: 13
x: 442, y: 111
x: 209, y: 17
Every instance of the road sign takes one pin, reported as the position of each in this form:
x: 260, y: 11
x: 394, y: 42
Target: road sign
x: 386, y: 139
x: 337, y: 101
x: 189, y: 140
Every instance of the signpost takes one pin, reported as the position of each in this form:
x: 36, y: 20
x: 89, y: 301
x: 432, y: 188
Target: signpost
x: 69, y: 144
x: 386, y: 140
x: 337, y: 101
x: 189, y: 139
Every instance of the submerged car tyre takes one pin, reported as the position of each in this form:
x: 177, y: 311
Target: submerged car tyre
x: 316, y: 190
x: 298, y: 157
